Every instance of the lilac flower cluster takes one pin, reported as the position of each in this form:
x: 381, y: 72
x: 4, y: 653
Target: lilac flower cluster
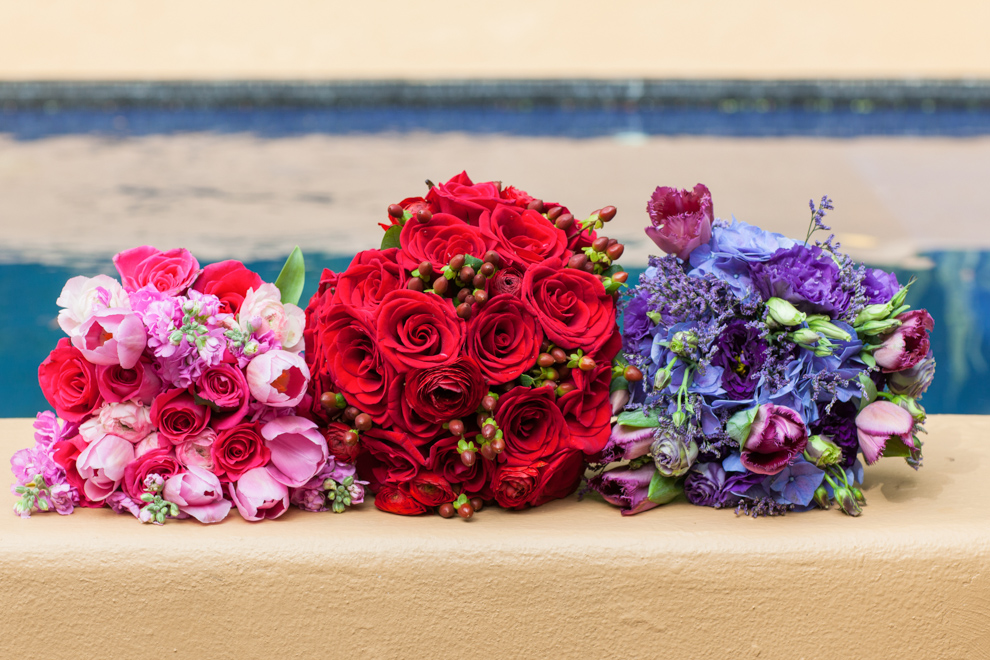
x: 770, y: 366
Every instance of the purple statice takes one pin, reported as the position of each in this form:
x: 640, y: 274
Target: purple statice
x: 839, y: 426
x: 879, y: 286
x: 636, y: 325
x: 741, y: 353
x: 817, y: 215
x: 675, y: 297
x: 806, y: 277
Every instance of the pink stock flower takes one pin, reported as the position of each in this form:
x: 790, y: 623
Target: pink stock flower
x: 298, y: 449
x: 101, y: 465
x: 111, y: 336
x: 257, y: 495
x: 878, y: 423
x: 198, y: 493
x: 777, y: 435
x: 908, y: 344
x: 169, y: 272
x: 682, y: 220
x: 278, y: 378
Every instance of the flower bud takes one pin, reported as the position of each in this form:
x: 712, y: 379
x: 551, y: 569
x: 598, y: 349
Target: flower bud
x: 821, y: 498
x: 912, y: 406
x: 829, y: 329
x: 662, y: 379
x: 847, y: 500
x: 784, y: 312
x: 679, y: 417
x: 877, y: 327
x: 805, y: 336
x: 822, y: 452
x: 873, y: 313
x: 914, y: 381
x: 672, y: 455
x: 683, y: 343
x: 899, y: 297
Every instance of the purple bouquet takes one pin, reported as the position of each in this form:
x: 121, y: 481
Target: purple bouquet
x: 769, y: 366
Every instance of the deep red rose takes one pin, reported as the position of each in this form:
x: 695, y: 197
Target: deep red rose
x: 605, y: 353
x: 69, y: 382
x: 430, y: 489
x: 407, y: 417
x: 226, y: 388
x: 504, y: 339
x: 513, y: 486
x: 587, y: 410
x: 65, y: 453
x: 524, y: 237
x: 389, y: 457
x: 532, y: 424
x: 178, y: 417
x: 239, y: 449
x: 229, y: 281
x: 465, y: 199
x: 334, y: 433
x: 418, y: 330
x: 558, y: 478
x: 118, y: 384
x: 507, y: 281
x: 392, y: 499
x: 169, y: 272
x: 157, y: 461
x: 571, y: 305
x: 411, y: 204
x: 356, y: 363
x: 521, y: 198
x: 440, y: 240
x: 371, y: 275
x: 446, y: 461
x: 451, y: 391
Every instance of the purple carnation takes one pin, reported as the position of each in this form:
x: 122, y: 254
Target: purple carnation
x: 879, y: 286
x: 840, y: 426
x: 708, y: 484
x: 741, y: 353
x: 804, y: 276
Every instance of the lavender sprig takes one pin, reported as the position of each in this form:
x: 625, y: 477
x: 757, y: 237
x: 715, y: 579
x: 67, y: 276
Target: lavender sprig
x: 817, y: 215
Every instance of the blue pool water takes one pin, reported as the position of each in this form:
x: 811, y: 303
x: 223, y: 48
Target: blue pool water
x: 956, y: 291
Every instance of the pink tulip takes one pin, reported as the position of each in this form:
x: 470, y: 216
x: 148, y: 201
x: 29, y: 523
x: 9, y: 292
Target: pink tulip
x: 111, y: 336
x: 198, y: 492
x: 278, y: 378
x: 880, y: 421
x: 682, y: 220
x: 101, y: 465
x: 298, y: 449
x: 257, y: 495
x: 626, y: 488
x: 907, y: 345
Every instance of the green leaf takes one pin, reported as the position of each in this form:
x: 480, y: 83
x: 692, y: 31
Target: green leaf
x: 663, y: 489
x: 473, y: 262
x: 526, y: 380
x: 292, y: 278
x: 896, y: 447
x: 738, y: 425
x: 868, y: 359
x: 618, y: 383
x: 871, y: 390
x: 391, y: 237
x: 637, y: 419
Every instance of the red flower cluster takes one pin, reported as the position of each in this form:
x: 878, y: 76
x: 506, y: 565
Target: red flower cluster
x: 470, y: 359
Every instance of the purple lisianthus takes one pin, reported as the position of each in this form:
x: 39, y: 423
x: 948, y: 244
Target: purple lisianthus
x: 839, y: 426
x: 741, y: 353
x: 708, y: 484
x: 879, y: 286
x: 804, y: 276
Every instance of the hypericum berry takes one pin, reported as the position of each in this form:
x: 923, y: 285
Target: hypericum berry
x: 620, y: 277
x: 551, y: 375
x: 536, y: 205
x: 446, y: 510
x: 487, y: 452
x: 600, y: 244
x: 488, y: 431
x: 457, y: 263
x: 476, y: 504
x: 479, y: 281
x: 456, y: 427
x: 462, y: 295
x: 545, y: 360
x: 350, y: 412
x: 586, y: 363
x: 491, y: 257
x: 564, y: 222
x: 559, y: 355
x: 632, y: 374
x: 415, y: 284
x: 564, y: 388
x: 351, y: 438
x: 607, y: 213
x: 466, y: 274
x: 498, y: 444
x: 396, y: 211
x: 487, y: 269
x: 469, y: 299
x: 440, y: 285
x: 615, y: 251
x: 424, y: 215
x: 464, y: 311
x: 564, y: 372
x: 328, y: 400
x: 554, y: 213
x: 363, y: 422
x: 588, y: 266
x: 480, y: 297
x: 488, y: 402
x: 578, y: 261
x: 426, y: 270
x: 466, y: 510
x: 468, y: 458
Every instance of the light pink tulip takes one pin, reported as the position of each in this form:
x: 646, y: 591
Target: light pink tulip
x: 101, y: 465
x: 146, y: 444
x: 83, y: 296
x: 257, y: 495
x: 111, y: 336
x: 298, y: 449
x: 877, y: 423
x: 198, y: 492
x: 278, y: 378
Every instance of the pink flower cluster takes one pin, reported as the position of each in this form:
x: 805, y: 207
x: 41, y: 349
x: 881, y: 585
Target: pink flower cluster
x: 176, y: 392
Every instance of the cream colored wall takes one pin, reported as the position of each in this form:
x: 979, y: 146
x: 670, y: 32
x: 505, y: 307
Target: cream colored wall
x: 381, y: 39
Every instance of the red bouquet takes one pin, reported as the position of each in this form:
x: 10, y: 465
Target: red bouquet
x: 469, y: 359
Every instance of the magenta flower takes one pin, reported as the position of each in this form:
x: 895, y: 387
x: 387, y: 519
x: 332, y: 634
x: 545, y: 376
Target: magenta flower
x: 198, y: 493
x: 257, y: 495
x: 170, y: 272
x: 298, y: 449
x: 777, y: 435
x: 278, y: 378
x: 682, y: 220
x: 908, y: 344
x: 880, y: 421
x: 626, y: 488
x: 101, y: 465
x: 111, y: 336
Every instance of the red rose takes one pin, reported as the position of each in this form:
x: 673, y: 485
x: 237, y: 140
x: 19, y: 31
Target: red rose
x: 356, y: 363
x: 66, y: 453
x: 418, y: 330
x: 446, y: 461
x: 69, y: 383
x: 512, y: 486
x: 430, y: 489
x: 392, y: 499
x: 408, y: 418
x: 504, y: 339
x: 371, y: 275
x: 237, y: 450
x: 224, y: 386
x: 524, y: 237
x: 521, y: 198
x: 571, y: 305
x: 587, y: 410
x: 519, y: 487
x: 390, y: 457
x: 447, y: 392
x: 169, y: 272
x: 465, y: 199
x: 156, y: 461
x: 532, y: 424
x: 507, y: 281
x: 229, y: 281
x: 118, y: 384
x: 334, y: 433
x: 177, y: 416
x: 440, y: 240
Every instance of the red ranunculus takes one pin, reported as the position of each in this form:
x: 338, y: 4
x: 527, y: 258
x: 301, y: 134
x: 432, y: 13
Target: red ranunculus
x: 357, y: 365
x: 445, y: 460
x: 504, y: 339
x: 334, y: 433
x: 532, y: 424
x: 169, y: 272
x: 229, y: 281
x: 418, y: 330
x: 507, y: 281
x: 157, y: 461
x: 178, y: 417
x: 587, y: 410
x: 393, y: 499
x: 430, y: 489
x: 69, y: 383
x: 65, y: 453
x: 371, y: 275
x: 239, y: 449
x: 447, y: 392
x: 465, y: 199
x: 408, y: 418
x: 524, y: 237
x: 571, y: 305
x: 440, y: 240
x: 513, y: 486
x: 225, y: 387
x: 390, y: 457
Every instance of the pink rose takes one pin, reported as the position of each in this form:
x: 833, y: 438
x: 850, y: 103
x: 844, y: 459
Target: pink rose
x: 278, y: 378
x: 257, y: 495
x: 298, y: 449
x: 111, y: 336
x: 119, y: 384
x: 682, y: 220
x: 198, y: 493
x: 101, y: 465
x: 878, y: 423
x: 168, y: 272
x: 129, y: 421
x: 908, y: 344
x: 197, y: 451
x: 226, y: 387
x: 177, y: 416
x: 157, y: 461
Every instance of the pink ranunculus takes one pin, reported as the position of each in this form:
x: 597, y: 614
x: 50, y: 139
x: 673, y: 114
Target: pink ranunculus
x: 908, y: 344
x: 258, y: 495
x: 278, y: 378
x: 112, y: 336
x: 168, y: 272
x: 264, y: 311
x: 226, y: 387
x: 139, y: 383
x: 84, y: 296
x: 177, y: 415
x: 880, y: 421
x: 129, y: 421
x: 198, y: 493
x: 682, y: 220
x: 776, y: 436
x: 101, y: 465
x: 198, y: 450
x: 298, y: 449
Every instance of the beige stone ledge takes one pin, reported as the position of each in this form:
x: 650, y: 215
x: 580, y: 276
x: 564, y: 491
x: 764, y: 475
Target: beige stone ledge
x: 384, y: 39
x: 910, y: 578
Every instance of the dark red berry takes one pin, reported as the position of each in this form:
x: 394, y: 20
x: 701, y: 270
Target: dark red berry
x: 350, y: 412
x: 440, y: 285
x: 465, y: 511
x: 457, y: 263
x: 480, y: 297
x: 564, y: 222
x: 551, y: 374
x: 564, y: 388
x: 578, y: 260
x: 487, y: 452
x: 488, y: 402
x: 615, y: 251
x: 466, y: 274
x: 620, y: 277
x: 351, y: 438
x: 545, y: 360
x: 328, y: 400
x: 464, y: 311
x: 476, y: 504
x: 396, y: 211
x: 363, y: 422
x: 498, y: 445
x: 415, y: 284
x: 554, y: 213
x: 563, y: 372
x: 588, y: 267
x: 491, y: 257
x: 456, y: 427
x: 424, y: 216
x: 488, y: 431
x: 446, y: 510
x: 559, y: 355
x: 536, y: 205
x: 479, y: 281
x: 487, y: 269
x: 468, y: 458
x: 586, y: 363
x: 632, y: 374
x: 600, y: 244
x: 607, y: 213
x: 426, y: 270
x: 469, y: 299
x: 462, y: 295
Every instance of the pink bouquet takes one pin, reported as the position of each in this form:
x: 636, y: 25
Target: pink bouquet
x: 175, y: 393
